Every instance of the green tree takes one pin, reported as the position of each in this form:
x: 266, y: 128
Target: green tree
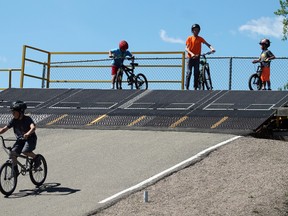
x: 283, y: 11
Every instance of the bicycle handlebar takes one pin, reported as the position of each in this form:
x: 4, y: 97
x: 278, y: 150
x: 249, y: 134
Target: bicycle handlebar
x: 128, y: 58
x: 207, y: 53
x: 3, y: 141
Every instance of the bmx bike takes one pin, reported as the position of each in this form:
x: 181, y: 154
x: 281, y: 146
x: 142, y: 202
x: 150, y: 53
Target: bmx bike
x: 255, y: 82
x: 204, y: 81
x: 8, y: 177
x: 137, y: 80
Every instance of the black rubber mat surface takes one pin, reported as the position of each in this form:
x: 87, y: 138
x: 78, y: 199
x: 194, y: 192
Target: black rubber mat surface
x: 88, y: 108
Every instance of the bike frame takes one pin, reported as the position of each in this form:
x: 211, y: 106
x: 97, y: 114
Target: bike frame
x: 129, y: 71
x: 204, y: 65
x: 25, y: 167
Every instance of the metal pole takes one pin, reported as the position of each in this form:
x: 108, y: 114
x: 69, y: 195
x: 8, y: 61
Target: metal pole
x: 10, y: 78
x: 43, y: 75
x: 23, y: 66
x: 183, y: 71
x: 230, y: 73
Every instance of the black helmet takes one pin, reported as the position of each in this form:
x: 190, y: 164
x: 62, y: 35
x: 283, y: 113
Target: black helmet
x: 265, y: 41
x: 195, y: 26
x: 19, y: 106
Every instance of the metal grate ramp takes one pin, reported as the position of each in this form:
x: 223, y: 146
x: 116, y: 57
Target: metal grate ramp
x: 91, y: 108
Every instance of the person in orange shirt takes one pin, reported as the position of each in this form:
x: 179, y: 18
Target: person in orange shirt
x: 193, y: 49
x: 264, y: 59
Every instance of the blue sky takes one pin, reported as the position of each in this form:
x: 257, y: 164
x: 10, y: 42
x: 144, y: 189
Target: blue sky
x: 234, y: 28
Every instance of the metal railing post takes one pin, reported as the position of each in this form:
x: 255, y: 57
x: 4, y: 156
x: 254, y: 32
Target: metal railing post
x: 230, y: 73
x: 183, y: 71
x: 23, y: 66
x: 48, y: 70
x: 43, y: 75
x: 10, y: 78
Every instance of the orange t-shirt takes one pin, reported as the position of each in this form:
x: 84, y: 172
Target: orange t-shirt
x: 194, y: 44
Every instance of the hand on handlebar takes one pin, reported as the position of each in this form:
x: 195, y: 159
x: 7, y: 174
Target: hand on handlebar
x: 131, y: 58
x: 25, y: 137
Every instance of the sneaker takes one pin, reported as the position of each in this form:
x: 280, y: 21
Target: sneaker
x: 37, y: 161
x: 269, y: 89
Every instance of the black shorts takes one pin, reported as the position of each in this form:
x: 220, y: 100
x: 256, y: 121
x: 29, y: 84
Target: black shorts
x: 25, y: 145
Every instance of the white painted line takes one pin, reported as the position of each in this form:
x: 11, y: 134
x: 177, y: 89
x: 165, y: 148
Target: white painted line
x: 189, y: 105
x: 138, y: 106
x: 171, y: 169
x: 130, y: 102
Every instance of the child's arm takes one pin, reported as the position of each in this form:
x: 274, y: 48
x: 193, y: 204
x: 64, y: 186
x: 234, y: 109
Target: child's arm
x: 32, y: 130
x: 4, y: 129
x: 210, y: 47
x: 110, y: 54
x: 270, y: 58
x: 256, y: 61
x: 188, y: 51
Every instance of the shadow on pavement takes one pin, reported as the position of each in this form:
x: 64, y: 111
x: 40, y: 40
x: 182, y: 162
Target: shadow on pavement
x: 45, y: 189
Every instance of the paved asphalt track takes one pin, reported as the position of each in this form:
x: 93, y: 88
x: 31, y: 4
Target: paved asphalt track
x: 88, y: 166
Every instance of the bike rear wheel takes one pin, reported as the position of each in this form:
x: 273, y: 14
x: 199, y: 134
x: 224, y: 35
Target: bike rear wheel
x: 38, y: 174
x: 255, y: 82
x: 207, y: 79
x: 8, y: 179
x: 141, y: 82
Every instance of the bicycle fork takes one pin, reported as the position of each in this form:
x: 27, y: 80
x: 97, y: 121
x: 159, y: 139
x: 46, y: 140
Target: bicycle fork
x: 9, y: 175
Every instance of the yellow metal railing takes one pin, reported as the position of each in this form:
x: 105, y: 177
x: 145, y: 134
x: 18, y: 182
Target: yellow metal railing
x: 164, y: 70
x: 10, y: 72
x: 54, y: 72
x: 25, y: 59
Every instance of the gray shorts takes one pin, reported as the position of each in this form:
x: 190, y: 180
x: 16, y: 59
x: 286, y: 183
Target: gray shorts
x: 25, y: 145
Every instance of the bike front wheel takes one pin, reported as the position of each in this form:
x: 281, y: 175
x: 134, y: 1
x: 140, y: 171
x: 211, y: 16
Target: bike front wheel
x: 118, y: 81
x: 255, y: 82
x: 141, y: 82
x: 200, y: 85
x: 38, y: 174
x: 207, y: 79
x: 8, y: 179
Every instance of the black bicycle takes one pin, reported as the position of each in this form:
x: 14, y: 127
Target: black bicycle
x: 137, y: 80
x: 255, y: 82
x: 204, y: 81
x: 8, y: 177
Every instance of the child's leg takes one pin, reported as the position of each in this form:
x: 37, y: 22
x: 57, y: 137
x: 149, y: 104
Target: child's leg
x: 16, y: 150
x: 113, y: 81
x: 265, y: 77
x: 269, y: 85
x: 114, y: 70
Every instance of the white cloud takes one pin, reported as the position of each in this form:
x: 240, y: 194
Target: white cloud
x: 166, y: 38
x: 265, y: 26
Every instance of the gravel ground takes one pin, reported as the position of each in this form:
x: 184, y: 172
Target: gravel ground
x: 246, y: 177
